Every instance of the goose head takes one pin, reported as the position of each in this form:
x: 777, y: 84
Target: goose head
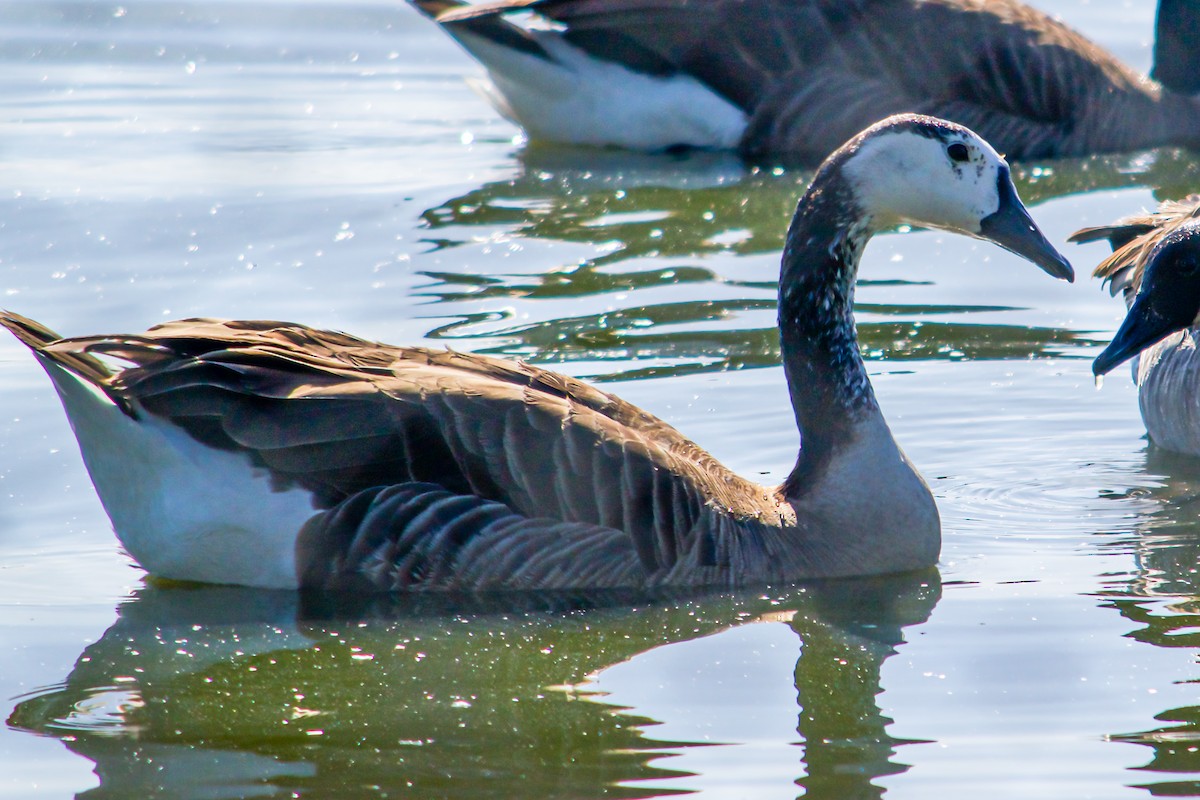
x: 936, y: 174
x: 1168, y: 300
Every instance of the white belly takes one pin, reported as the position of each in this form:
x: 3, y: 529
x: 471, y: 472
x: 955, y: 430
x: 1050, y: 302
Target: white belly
x: 181, y: 509
x: 1167, y: 375
x: 582, y: 100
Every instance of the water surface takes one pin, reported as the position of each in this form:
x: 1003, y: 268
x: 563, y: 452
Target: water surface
x: 326, y: 162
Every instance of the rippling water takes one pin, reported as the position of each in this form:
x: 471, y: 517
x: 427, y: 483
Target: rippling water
x: 325, y: 162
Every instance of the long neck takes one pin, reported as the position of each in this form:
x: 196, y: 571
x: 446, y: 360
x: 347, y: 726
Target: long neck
x: 826, y: 377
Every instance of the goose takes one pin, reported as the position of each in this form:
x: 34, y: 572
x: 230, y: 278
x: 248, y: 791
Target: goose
x: 790, y: 80
x: 1154, y: 264
x: 275, y: 455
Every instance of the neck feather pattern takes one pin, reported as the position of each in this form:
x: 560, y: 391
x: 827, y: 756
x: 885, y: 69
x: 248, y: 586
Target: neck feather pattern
x: 826, y: 376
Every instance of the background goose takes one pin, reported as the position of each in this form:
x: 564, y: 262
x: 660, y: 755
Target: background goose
x: 1155, y: 264
x: 793, y: 79
x: 273, y: 454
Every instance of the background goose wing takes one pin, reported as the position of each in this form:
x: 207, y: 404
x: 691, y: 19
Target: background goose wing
x: 1007, y: 59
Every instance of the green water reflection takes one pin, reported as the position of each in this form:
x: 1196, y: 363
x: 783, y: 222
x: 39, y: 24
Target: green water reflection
x: 651, y: 221
x: 634, y: 334
x: 703, y: 203
x: 1162, y: 600
x: 224, y: 692
x: 635, y: 266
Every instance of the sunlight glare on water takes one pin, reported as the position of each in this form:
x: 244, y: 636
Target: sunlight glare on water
x: 326, y: 162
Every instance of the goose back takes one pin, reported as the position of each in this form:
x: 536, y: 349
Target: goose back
x: 520, y: 447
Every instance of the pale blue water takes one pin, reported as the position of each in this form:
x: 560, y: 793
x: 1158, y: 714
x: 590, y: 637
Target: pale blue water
x: 325, y: 162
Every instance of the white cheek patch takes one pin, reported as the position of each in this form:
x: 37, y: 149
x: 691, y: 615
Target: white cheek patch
x: 906, y: 177
x: 980, y: 182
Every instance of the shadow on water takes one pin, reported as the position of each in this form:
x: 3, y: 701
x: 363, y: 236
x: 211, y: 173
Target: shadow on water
x: 658, y: 221
x: 227, y: 692
x: 1161, y: 598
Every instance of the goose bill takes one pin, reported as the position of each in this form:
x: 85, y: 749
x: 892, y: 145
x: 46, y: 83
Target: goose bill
x: 1143, y: 326
x: 1011, y: 227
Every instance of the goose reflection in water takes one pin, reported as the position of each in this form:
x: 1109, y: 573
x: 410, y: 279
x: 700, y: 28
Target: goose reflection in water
x: 1160, y: 596
x: 229, y: 692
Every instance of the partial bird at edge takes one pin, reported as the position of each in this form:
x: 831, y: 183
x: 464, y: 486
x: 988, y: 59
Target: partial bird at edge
x: 1155, y: 264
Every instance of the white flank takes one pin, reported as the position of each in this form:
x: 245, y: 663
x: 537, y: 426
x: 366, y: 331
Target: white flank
x: 183, y: 510
x: 582, y: 100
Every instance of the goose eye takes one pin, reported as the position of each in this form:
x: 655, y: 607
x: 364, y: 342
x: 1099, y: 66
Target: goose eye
x: 958, y: 152
x: 1187, y: 267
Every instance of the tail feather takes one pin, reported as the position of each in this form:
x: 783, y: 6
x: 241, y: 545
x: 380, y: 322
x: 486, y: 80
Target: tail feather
x: 33, y: 334
x: 456, y: 16
x: 41, y: 340
x: 451, y: 11
x: 435, y: 8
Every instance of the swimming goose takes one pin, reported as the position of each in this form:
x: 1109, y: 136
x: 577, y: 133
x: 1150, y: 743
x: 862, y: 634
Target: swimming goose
x: 272, y: 454
x: 793, y: 79
x: 1154, y: 263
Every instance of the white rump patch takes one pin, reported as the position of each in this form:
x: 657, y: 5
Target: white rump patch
x: 181, y: 509
x: 579, y: 99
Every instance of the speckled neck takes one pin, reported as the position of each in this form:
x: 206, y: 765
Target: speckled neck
x: 830, y: 391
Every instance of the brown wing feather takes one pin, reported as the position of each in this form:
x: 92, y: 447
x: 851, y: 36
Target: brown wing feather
x: 1133, y: 238
x: 1007, y: 58
x: 420, y: 536
x: 341, y: 416
x: 38, y: 337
